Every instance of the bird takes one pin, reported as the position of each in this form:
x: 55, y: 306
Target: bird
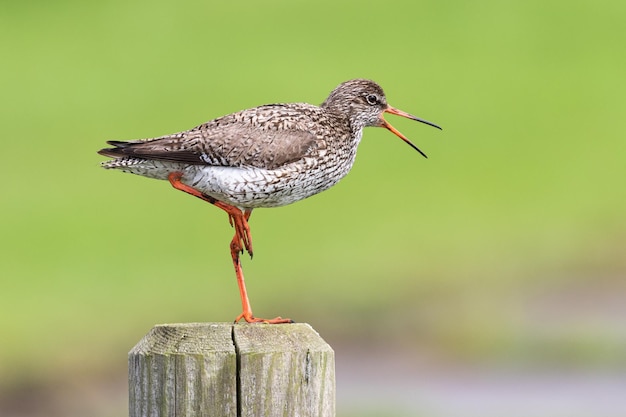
x: 262, y: 157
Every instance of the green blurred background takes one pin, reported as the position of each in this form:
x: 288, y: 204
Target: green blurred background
x: 504, y: 248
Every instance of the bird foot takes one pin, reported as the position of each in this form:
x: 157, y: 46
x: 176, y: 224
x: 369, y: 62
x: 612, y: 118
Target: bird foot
x: 249, y: 318
x: 242, y: 238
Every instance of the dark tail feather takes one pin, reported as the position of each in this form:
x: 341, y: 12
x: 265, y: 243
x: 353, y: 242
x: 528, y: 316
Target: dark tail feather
x: 116, y: 152
x: 120, y: 143
x: 111, y: 152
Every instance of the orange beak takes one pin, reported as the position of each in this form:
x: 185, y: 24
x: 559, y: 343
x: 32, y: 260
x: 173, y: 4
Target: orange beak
x: 393, y: 130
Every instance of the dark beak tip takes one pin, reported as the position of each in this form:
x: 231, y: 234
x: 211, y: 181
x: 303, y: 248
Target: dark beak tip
x: 393, y: 110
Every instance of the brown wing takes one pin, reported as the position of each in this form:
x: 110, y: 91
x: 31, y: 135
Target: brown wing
x: 265, y: 137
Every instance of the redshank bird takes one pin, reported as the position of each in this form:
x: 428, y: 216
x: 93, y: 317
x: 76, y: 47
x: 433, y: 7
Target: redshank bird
x: 267, y: 156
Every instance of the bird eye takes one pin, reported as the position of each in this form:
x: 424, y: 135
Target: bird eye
x: 372, y: 99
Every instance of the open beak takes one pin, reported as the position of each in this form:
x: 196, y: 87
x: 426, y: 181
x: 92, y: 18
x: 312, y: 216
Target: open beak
x: 393, y: 130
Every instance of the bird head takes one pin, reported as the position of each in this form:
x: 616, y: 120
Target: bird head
x: 364, y: 103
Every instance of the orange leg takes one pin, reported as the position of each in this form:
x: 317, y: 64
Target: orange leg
x: 241, y: 240
x: 235, y: 250
x: 236, y: 217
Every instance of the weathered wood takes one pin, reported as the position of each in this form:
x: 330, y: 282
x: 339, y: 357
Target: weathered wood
x: 184, y: 370
x: 284, y: 370
x: 226, y: 370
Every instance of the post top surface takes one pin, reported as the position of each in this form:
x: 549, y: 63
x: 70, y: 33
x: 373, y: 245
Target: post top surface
x: 208, y: 338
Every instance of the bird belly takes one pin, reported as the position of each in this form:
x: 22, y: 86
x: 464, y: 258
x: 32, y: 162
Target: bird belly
x: 251, y: 187
x: 246, y: 187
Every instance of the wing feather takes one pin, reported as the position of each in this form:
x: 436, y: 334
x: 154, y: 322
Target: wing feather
x: 266, y: 137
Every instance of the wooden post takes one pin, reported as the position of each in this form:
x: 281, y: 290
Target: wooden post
x: 232, y: 370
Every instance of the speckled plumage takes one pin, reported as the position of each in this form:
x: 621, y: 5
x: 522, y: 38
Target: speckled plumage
x: 263, y: 157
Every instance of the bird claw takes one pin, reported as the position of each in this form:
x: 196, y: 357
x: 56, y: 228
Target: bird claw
x: 249, y: 318
x: 242, y: 239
